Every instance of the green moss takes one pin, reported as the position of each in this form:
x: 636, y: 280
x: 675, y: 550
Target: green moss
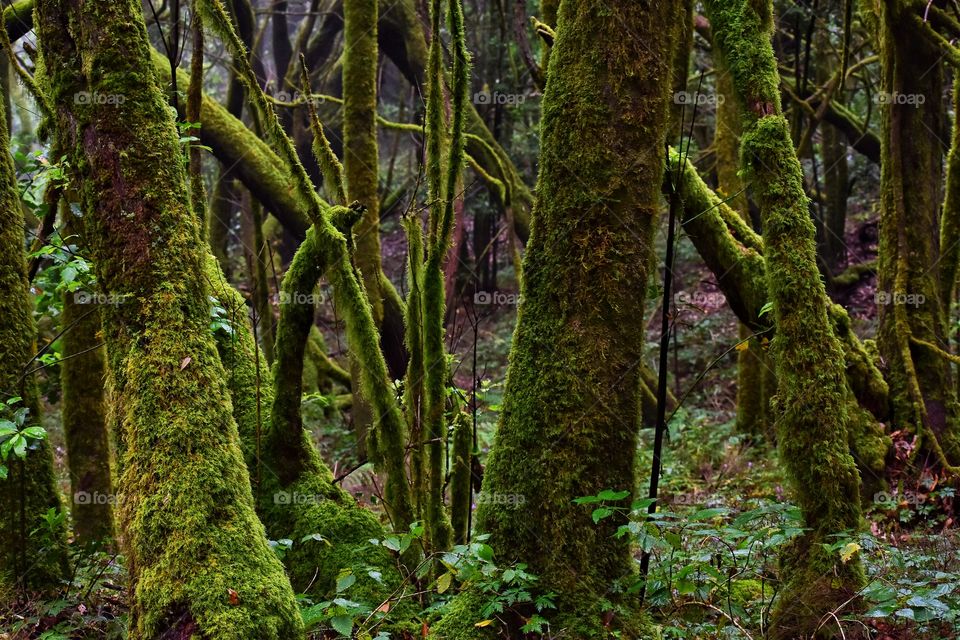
x: 361, y: 163
x: 922, y: 391
x: 813, y: 402
x: 414, y: 379
x: 28, y: 561
x: 82, y: 373
x: 461, y: 479
x: 294, y: 490
x: 572, y: 397
x: 197, y: 555
x: 752, y: 418
x: 950, y: 219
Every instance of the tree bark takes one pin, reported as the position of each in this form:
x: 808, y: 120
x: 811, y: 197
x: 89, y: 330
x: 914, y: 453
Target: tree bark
x: 572, y: 401
x: 197, y: 555
x: 813, y: 400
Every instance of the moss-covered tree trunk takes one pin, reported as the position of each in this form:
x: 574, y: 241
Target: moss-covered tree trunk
x: 361, y: 162
x: 813, y: 400
x: 909, y: 296
x: 197, y: 555
x: 32, y: 556
x: 752, y: 359
x: 569, y: 422
x: 82, y: 376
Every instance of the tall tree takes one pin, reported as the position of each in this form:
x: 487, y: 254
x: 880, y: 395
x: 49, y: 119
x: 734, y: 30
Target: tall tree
x: 569, y: 421
x: 82, y: 377
x: 198, y: 557
x: 361, y: 163
x: 814, y: 403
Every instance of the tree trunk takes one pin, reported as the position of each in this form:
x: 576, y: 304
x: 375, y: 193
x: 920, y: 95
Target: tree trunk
x: 82, y: 376
x: 572, y: 399
x: 752, y: 361
x: 33, y: 556
x: 923, y: 396
x: 813, y: 400
x: 197, y: 555
x: 361, y: 161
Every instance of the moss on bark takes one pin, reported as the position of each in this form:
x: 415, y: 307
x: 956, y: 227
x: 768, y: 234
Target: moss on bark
x: 361, y: 163
x: 295, y: 493
x: 572, y: 398
x: 33, y: 556
x: 752, y: 399
x: 923, y: 396
x: 82, y: 376
x: 197, y: 555
x: 813, y: 400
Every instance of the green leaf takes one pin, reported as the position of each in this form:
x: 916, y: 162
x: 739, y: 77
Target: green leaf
x: 19, y: 444
x: 706, y: 514
x: 610, y: 494
x: 345, y: 581
x: 642, y: 505
x: 485, y: 552
x: 392, y: 543
x: 342, y: 624
x: 601, y: 513
x: 34, y: 433
x: 443, y: 582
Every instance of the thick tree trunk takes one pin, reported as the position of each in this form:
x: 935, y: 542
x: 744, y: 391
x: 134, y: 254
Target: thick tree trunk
x: 572, y: 398
x: 197, y: 555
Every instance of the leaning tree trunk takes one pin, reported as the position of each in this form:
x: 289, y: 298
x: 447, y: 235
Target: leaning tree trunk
x: 33, y: 556
x: 198, y: 558
x: 814, y: 401
x: 569, y: 424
